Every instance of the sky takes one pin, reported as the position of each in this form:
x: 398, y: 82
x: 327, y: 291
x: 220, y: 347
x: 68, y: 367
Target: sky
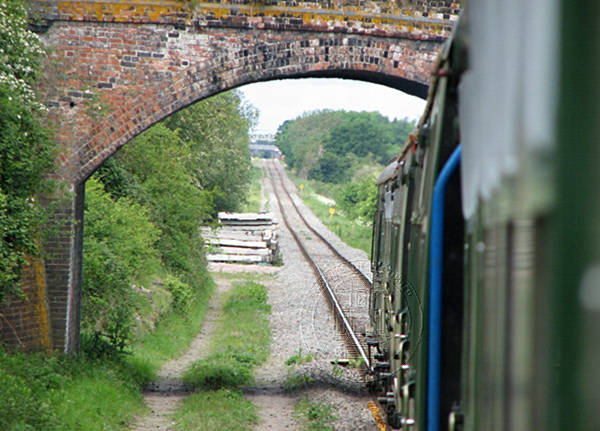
x: 278, y: 101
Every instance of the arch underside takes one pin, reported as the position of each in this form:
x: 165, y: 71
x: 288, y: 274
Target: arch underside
x: 110, y: 82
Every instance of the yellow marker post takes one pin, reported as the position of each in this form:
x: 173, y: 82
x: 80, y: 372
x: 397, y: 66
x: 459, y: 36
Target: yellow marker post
x: 331, y: 211
x: 301, y: 187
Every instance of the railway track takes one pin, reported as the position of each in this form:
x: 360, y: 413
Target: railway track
x: 344, y: 285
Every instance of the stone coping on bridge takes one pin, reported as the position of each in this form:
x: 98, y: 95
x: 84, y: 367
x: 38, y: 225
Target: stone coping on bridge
x: 372, y: 18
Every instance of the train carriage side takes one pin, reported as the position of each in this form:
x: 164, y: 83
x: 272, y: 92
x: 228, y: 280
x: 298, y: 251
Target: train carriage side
x: 402, y: 312
x: 520, y: 277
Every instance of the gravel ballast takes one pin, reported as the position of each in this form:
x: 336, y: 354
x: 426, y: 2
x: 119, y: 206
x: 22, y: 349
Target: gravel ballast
x: 302, y: 323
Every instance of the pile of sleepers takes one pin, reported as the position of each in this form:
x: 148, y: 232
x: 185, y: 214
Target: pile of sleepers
x: 243, y: 238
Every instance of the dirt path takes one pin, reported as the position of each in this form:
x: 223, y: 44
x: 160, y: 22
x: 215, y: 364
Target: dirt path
x: 275, y: 409
x: 166, y: 394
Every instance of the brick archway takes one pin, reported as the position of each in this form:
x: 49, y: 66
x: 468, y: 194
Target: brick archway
x: 116, y: 68
x: 122, y: 78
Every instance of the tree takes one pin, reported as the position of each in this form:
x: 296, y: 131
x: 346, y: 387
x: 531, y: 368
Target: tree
x: 217, y: 132
x: 325, y: 145
x: 155, y: 167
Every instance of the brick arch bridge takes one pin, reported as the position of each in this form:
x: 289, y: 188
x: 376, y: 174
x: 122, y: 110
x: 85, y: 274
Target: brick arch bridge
x: 116, y: 68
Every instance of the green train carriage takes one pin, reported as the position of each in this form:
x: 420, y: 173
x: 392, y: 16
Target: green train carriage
x: 518, y: 328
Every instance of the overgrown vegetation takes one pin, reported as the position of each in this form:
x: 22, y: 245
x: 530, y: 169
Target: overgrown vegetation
x: 171, y: 336
x: 98, y: 390
x: 339, y: 155
x: 254, y: 195
x: 149, y: 202
x: 353, y: 230
x: 224, y: 409
x: 240, y: 342
x: 65, y: 393
x: 26, y: 146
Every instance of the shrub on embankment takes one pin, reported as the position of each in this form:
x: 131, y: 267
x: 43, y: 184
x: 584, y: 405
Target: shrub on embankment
x: 26, y: 147
x: 149, y: 202
x: 43, y: 392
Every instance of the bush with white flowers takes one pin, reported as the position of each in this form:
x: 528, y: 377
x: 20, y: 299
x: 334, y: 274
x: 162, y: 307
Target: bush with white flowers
x: 26, y: 146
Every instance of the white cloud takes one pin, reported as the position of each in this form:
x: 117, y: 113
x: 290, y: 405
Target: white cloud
x: 278, y: 101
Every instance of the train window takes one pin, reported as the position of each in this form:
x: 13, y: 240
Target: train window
x: 387, y: 205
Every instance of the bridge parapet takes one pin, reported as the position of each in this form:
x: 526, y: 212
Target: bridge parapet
x: 423, y: 20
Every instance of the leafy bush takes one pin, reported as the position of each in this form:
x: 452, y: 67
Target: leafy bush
x: 28, y: 385
x: 119, y: 244
x: 359, y: 199
x: 18, y: 406
x: 26, y: 147
x: 42, y: 391
x: 181, y: 293
x: 157, y: 175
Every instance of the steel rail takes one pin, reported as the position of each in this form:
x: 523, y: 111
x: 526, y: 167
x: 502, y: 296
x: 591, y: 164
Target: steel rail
x: 338, y: 312
x: 327, y: 243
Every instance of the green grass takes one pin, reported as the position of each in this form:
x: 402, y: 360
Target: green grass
x: 172, y: 335
x: 300, y: 358
x: 253, y: 196
x: 63, y: 393
x: 47, y: 391
x: 353, y: 232
x: 240, y: 341
x: 216, y: 410
x: 313, y: 416
x: 98, y: 400
x: 295, y: 378
x: 242, y: 276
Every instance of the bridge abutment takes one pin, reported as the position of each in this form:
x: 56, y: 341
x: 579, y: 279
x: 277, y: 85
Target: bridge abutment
x: 63, y: 258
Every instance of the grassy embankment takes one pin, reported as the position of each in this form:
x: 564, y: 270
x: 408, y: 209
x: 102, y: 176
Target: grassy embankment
x: 240, y: 343
x: 45, y: 391
x: 172, y: 335
x: 353, y: 232
x: 42, y: 391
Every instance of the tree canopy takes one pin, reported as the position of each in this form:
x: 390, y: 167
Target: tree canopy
x: 145, y: 207
x: 329, y: 145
